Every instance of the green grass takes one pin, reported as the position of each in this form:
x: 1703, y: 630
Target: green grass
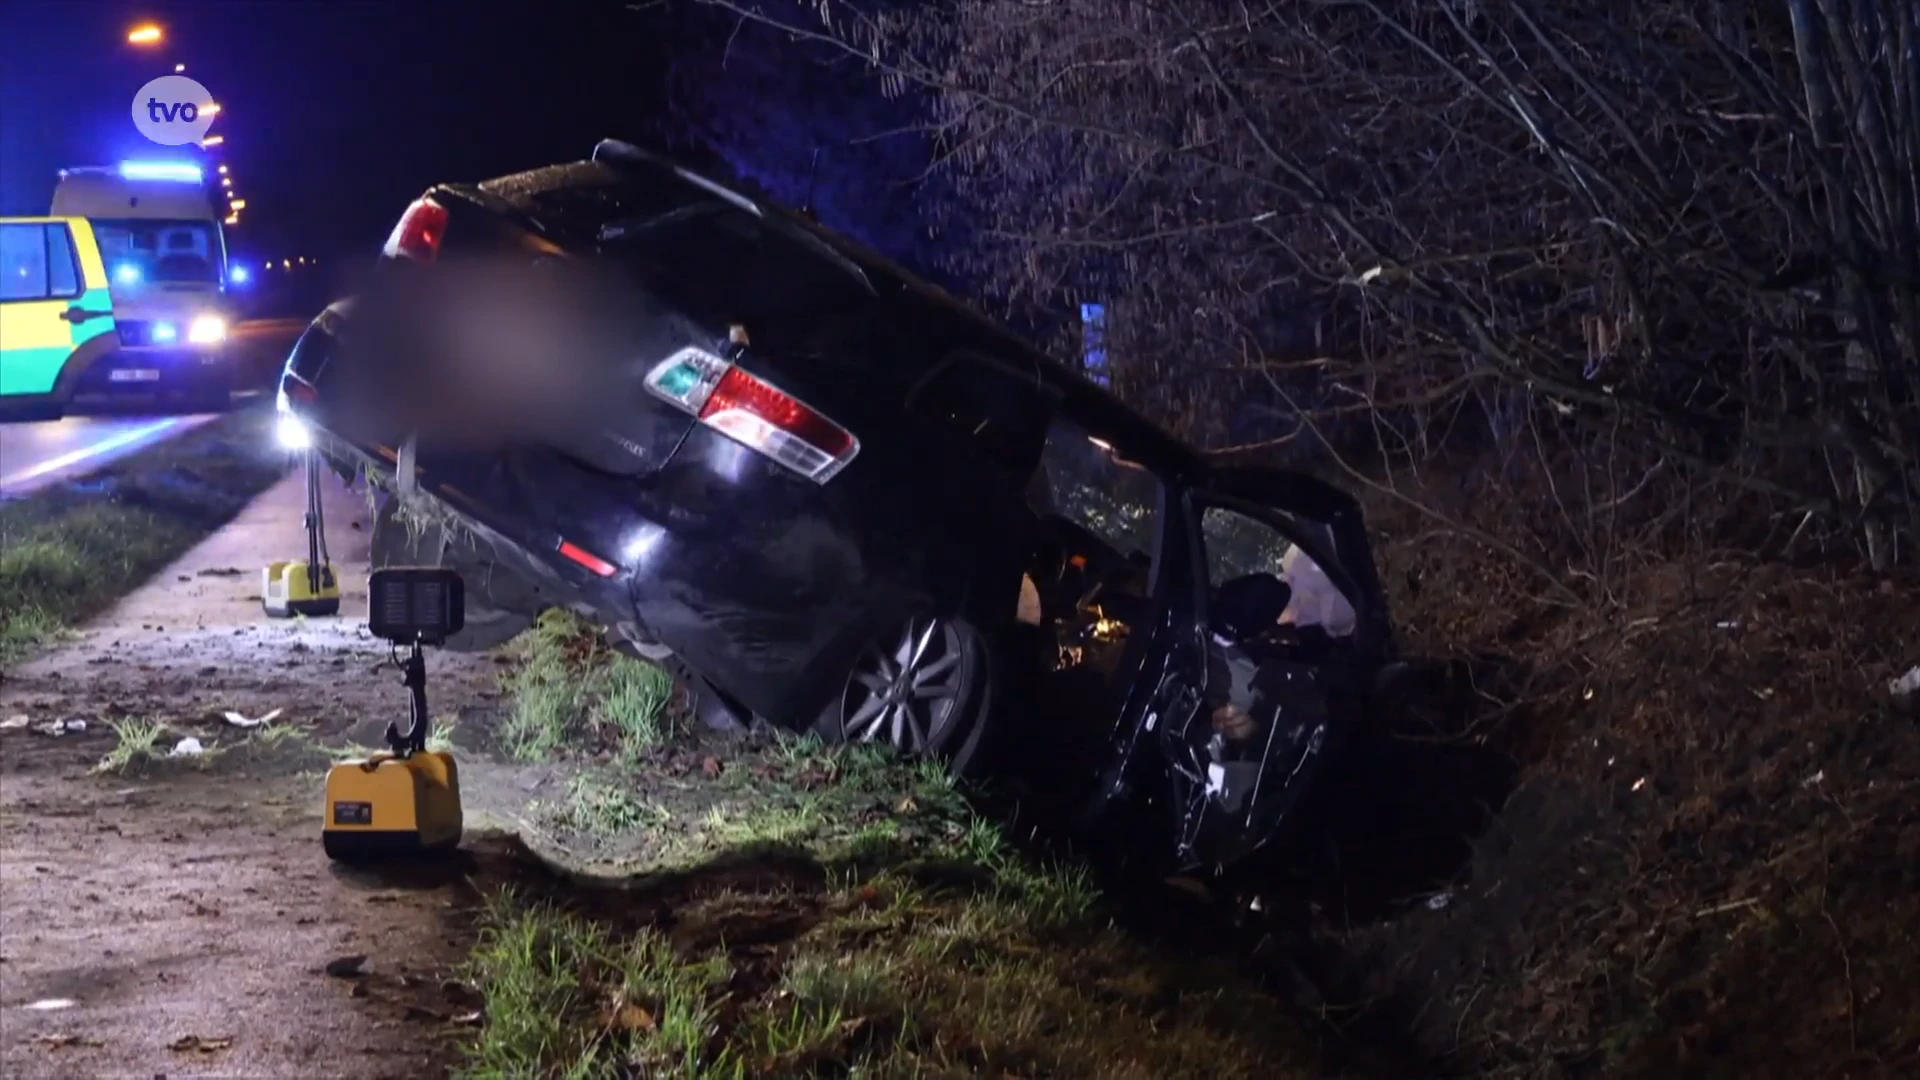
x: 58, y: 569
x: 924, y: 945
x: 603, y: 806
x: 67, y: 552
x: 135, y: 741
x: 635, y: 703
x: 568, y: 688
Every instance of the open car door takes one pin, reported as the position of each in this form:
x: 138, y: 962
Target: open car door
x: 1296, y: 633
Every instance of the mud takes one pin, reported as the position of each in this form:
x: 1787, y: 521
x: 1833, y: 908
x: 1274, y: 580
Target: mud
x: 179, y: 920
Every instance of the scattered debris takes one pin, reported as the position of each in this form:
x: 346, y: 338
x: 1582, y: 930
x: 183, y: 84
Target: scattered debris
x: 49, y: 1004
x: 57, y: 728
x: 347, y: 967
x: 62, y: 1040
x: 187, y: 747
x: 1439, y: 901
x: 241, y: 721
x: 199, y: 1044
x: 18, y: 720
x: 1908, y: 685
x: 223, y: 571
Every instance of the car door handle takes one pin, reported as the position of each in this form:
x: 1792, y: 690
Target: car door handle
x: 78, y: 314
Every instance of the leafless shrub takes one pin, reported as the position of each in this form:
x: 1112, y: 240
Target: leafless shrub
x: 1666, y: 250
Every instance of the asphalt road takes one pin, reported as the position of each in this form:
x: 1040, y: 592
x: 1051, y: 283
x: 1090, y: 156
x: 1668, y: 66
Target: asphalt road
x: 38, y: 454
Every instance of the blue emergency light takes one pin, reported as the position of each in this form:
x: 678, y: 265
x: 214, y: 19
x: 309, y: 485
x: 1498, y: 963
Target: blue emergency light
x: 161, y: 170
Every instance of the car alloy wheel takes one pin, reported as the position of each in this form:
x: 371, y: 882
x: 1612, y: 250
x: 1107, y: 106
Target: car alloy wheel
x: 911, y: 692
x: 929, y: 687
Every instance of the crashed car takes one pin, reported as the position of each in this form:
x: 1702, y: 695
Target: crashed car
x: 832, y: 497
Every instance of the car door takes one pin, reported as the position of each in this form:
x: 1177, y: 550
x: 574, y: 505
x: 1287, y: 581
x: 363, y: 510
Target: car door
x: 1294, y: 644
x: 53, y: 301
x: 1139, y: 582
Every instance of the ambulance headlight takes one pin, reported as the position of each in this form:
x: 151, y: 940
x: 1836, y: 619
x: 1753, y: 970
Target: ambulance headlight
x: 207, y: 330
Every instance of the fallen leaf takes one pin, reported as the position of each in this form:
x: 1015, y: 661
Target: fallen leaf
x: 711, y: 767
x: 57, y: 1041
x: 632, y: 1017
x: 199, y: 1044
x: 346, y: 967
x: 906, y: 806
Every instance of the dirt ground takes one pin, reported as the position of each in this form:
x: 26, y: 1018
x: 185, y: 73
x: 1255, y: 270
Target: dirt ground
x: 179, y: 920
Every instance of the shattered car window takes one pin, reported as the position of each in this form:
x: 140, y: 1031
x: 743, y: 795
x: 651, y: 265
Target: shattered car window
x: 1238, y: 546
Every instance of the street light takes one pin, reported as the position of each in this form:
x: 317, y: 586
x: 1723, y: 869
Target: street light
x: 145, y: 34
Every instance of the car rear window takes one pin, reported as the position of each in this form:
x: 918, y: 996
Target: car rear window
x: 577, y: 209
x: 728, y: 265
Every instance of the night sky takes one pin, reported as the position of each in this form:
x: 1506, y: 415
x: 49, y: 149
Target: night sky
x: 335, y: 113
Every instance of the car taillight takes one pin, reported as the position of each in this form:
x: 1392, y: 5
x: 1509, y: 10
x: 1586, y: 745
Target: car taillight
x: 755, y: 412
x: 419, y: 231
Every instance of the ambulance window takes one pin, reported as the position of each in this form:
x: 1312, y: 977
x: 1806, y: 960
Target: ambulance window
x: 23, y: 262
x: 63, y: 275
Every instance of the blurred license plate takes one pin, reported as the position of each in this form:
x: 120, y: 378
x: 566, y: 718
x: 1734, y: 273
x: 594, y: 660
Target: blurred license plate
x: 134, y: 375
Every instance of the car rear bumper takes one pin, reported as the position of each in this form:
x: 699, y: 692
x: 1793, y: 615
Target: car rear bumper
x: 768, y: 601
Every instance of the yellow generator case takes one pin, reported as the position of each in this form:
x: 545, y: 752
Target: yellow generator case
x: 287, y: 589
x: 386, y: 806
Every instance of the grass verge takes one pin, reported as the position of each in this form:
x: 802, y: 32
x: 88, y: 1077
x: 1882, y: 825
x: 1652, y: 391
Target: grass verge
x: 70, y: 550
x: 847, y: 915
x: 570, y: 691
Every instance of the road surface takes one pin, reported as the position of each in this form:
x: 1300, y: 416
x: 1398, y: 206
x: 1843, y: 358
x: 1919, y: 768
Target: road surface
x: 35, y: 455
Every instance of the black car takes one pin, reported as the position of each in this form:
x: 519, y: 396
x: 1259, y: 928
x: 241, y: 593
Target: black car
x: 835, y: 498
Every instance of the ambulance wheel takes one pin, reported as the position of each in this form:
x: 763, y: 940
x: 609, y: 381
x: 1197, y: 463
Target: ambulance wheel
x: 15, y: 413
x: 495, y: 600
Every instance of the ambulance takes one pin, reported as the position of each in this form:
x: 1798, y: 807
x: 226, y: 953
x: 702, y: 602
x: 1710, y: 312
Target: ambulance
x: 121, y: 289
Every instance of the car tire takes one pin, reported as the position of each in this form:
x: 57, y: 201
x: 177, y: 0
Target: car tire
x: 928, y: 688
x: 497, y: 608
